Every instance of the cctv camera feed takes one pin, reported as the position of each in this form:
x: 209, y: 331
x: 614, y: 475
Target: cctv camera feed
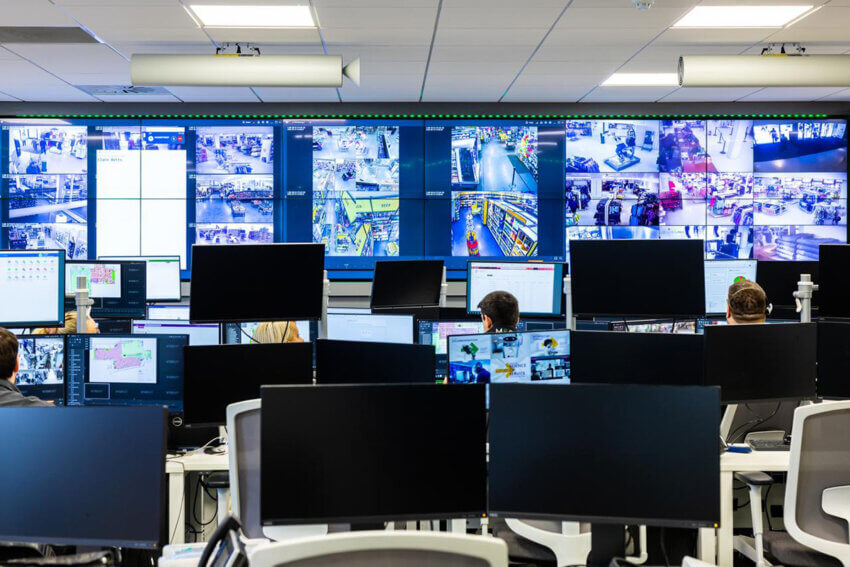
x: 356, y: 190
x: 238, y: 150
x: 529, y: 356
x: 41, y: 363
x: 47, y: 149
x: 766, y: 190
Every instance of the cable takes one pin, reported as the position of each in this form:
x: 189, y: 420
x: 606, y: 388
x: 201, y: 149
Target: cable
x: 765, y: 509
x: 244, y: 332
x: 754, y: 422
x: 201, y: 523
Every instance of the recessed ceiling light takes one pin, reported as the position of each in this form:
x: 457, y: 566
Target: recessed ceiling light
x: 743, y: 16
x: 216, y: 16
x: 642, y: 80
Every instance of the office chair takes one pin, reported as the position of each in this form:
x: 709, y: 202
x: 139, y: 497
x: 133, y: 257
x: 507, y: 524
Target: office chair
x: 367, y: 549
x: 817, y: 494
x: 243, y: 427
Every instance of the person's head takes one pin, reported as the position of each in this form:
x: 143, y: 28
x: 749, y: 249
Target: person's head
x: 746, y: 303
x: 8, y: 355
x: 499, y: 310
x: 70, y: 327
x: 277, y: 332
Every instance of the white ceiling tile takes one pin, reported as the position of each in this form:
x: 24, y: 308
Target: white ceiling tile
x: 69, y: 62
x: 707, y: 94
x: 626, y: 16
x: 811, y: 49
x: 628, y: 94
x: 472, y: 68
x: 443, y: 88
x: 137, y: 22
x: 33, y: 13
x: 214, y: 94
x: 508, y: 14
x: 383, y: 88
x: 790, y: 93
x: 840, y: 95
x: 386, y: 36
x: 57, y: 92
x: 279, y: 36
x: 119, y: 78
x: 600, y: 39
x: 488, y: 36
x: 569, y: 69
x: 199, y: 48
x: 291, y: 94
x: 694, y: 37
x: 550, y: 88
x: 493, y: 53
x: 8, y: 98
x: 361, y: 15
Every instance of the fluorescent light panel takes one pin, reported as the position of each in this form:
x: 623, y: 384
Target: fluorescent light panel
x: 742, y: 16
x: 215, y: 16
x: 642, y: 80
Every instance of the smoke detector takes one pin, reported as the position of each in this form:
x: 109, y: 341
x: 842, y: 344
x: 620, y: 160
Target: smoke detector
x: 643, y: 4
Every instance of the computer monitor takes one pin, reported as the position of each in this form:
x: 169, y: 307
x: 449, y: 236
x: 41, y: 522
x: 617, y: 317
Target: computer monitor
x: 833, y: 359
x: 529, y: 356
x: 125, y: 370
x: 754, y: 363
x: 406, y: 283
x: 118, y: 289
x: 779, y: 280
x: 199, y: 333
x: 115, y: 326
x: 163, y: 275
x: 640, y: 278
x: 243, y: 333
x: 168, y: 312
x: 719, y: 275
x: 257, y: 282
x: 538, y: 286
x: 41, y: 367
x: 354, y: 362
x: 84, y: 476
x: 436, y: 333
x: 834, y: 281
x: 670, y: 325
x: 217, y: 376
x: 372, y: 327
x: 364, y: 455
x: 605, y: 357
x: 33, y: 288
x: 605, y: 453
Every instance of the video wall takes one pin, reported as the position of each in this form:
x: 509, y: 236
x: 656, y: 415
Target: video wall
x: 458, y: 189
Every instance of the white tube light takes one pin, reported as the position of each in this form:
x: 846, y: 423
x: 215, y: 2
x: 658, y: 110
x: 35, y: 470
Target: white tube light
x: 245, y: 71
x: 764, y: 71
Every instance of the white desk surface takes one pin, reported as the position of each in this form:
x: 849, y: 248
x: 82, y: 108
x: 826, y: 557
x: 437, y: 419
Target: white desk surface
x: 197, y: 461
x: 767, y: 461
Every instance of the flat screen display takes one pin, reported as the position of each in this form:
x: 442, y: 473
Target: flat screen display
x: 538, y: 287
x: 199, y: 334
x: 163, y: 276
x: 354, y: 362
x: 119, y: 289
x: 779, y: 280
x: 834, y: 281
x: 719, y: 275
x: 414, y: 283
x: 41, y: 368
x: 833, y: 359
x: 33, y: 288
x: 372, y: 328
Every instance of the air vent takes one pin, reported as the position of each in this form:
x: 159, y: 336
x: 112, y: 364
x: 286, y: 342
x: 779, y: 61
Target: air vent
x: 18, y: 34
x: 122, y: 90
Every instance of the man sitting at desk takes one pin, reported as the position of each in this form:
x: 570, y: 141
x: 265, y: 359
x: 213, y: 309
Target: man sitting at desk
x: 9, y: 394
x: 499, y: 312
x: 746, y: 303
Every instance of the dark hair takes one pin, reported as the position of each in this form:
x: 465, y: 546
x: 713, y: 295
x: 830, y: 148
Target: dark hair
x: 8, y: 353
x: 502, y: 308
x: 747, y: 301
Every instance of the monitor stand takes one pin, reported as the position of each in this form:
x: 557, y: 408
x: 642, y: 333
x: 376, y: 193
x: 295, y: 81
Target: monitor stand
x: 607, y: 543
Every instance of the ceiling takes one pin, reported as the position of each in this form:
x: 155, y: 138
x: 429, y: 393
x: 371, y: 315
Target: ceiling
x: 414, y: 50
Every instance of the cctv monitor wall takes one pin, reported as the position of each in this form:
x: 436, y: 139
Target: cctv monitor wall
x: 354, y: 362
x: 41, y: 367
x: 413, y: 283
x: 719, y: 275
x: 834, y: 281
x: 538, y: 286
x: 377, y: 462
x: 588, y: 438
x: 762, y: 362
x: 258, y: 282
x: 163, y: 276
x: 33, y: 288
x: 118, y: 289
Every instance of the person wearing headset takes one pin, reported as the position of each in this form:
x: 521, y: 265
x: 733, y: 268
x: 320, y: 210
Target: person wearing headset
x: 277, y: 332
x: 746, y: 303
x: 499, y: 312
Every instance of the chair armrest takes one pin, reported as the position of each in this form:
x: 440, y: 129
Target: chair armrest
x: 754, y: 478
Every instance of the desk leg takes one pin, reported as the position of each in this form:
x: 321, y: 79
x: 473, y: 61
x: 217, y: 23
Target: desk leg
x: 725, y: 549
x: 176, y: 507
x: 707, y: 545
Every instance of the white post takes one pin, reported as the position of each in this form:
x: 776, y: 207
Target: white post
x: 83, y: 303
x: 803, y: 297
x: 326, y: 296
x: 444, y: 289
x: 568, y: 298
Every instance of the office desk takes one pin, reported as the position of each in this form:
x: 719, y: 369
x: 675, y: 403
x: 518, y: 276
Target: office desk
x: 730, y: 463
x: 177, y: 468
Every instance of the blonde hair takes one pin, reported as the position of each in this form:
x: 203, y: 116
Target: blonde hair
x: 70, y: 327
x: 276, y: 332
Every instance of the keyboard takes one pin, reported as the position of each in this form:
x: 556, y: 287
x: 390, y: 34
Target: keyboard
x: 768, y: 445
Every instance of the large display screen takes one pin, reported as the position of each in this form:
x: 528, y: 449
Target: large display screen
x: 451, y: 189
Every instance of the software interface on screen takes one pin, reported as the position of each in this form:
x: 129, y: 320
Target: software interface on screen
x: 168, y: 312
x: 41, y: 368
x: 199, y: 334
x: 102, y: 280
x: 125, y: 370
x: 32, y: 287
x: 719, y: 275
x: 436, y: 333
x: 163, y: 276
x: 371, y: 328
x: 537, y: 287
x: 528, y: 356
x: 117, y: 289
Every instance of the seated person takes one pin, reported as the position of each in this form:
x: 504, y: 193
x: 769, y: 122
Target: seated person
x: 10, y: 396
x: 277, y: 332
x: 746, y: 303
x: 499, y: 312
x: 70, y: 327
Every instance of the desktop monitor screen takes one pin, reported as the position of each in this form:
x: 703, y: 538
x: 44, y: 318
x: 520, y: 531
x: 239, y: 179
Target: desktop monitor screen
x: 41, y: 367
x: 762, y: 362
x: 217, y: 376
x: 371, y: 327
x: 779, y: 280
x: 833, y: 359
x: 128, y: 370
x: 648, y: 278
x: 199, y: 334
x: 436, y: 333
x: 168, y: 312
x: 84, y: 476
x: 528, y: 356
x: 118, y: 289
x: 407, y: 283
x: 719, y: 275
x: 538, y: 286
x: 257, y: 282
x: 163, y: 275
x: 353, y: 362
x: 834, y: 281
x: 361, y: 453
x: 605, y: 453
x: 33, y: 288
x: 605, y: 357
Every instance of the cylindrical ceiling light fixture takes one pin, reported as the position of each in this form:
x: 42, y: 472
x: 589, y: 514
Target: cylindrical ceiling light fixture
x: 764, y: 71
x: 244, y: 71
